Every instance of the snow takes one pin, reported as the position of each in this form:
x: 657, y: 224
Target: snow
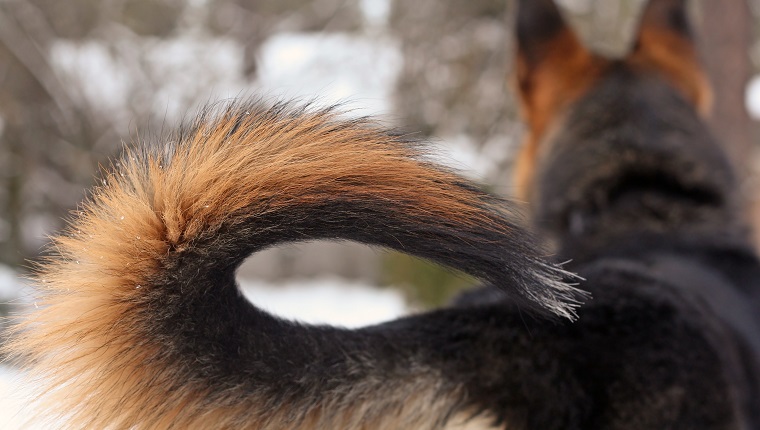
x: 92, y: 63
x: 752, y: 97
x: 11, y: 398
x: 376, y: 12
x: 326, y: 301
x: 218, y: 75
x: 460, y: 153
x: 110, y: 75
x: 10, y: 284
x: 333, y: 67
x: 577, y: 6
x: 117, y: 76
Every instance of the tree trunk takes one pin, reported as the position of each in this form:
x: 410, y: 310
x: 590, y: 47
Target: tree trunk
x: 726, y: 37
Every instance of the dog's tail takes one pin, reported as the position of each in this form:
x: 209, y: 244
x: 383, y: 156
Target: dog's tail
x: 140, y: 322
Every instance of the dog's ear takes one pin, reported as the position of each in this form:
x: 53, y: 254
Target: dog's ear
x: 665, y: 43
x: 552, y: 64
x: 540, y: 26
x: 553, y: 70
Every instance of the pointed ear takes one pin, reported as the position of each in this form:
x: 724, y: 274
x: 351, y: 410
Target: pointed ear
x: 539, y: 26
x: 553, y: 70
x: 546, y: 46
x: 665, y: 43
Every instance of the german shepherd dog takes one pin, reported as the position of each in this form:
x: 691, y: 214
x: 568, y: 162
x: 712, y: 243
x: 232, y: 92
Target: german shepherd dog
x: 140, y: 323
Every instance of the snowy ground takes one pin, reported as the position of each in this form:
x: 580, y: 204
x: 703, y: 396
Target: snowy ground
x: 327, y: 300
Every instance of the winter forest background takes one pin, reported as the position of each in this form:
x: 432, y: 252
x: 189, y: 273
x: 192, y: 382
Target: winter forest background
x: 81, y: 78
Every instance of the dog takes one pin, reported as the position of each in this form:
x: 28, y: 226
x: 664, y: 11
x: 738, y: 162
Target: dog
x: 140, y: 323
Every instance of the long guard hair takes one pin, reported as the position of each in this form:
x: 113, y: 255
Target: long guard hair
x: 141, y: 324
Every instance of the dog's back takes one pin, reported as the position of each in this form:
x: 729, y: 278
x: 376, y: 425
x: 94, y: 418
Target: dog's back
x: 626, y: 180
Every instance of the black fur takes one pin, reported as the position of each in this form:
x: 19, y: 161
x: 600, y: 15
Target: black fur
x: 537, y: 24
x: 633, y: 155
x: 635, y: 191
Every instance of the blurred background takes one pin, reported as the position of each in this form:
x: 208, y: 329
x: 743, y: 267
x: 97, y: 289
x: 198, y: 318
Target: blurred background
x: 79, y: 79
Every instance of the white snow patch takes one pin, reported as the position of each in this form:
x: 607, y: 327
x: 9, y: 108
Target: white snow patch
x: 177, y: 73
x: 196, y: 67
x: 93, y: 72
x: 752, y: 97
x: 174, y: 74
x: 460, y: 153
x: 10, y: 284
x: 376, y: 12
x: 577, y: 6
x: 333, y: 67
x: 326, y: 301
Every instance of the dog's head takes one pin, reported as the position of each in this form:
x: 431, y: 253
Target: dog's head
x: 597, y: 126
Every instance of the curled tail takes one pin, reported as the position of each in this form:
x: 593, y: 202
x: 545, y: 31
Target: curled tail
x: 140, y: 322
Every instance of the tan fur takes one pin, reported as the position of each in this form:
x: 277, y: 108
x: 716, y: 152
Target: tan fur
x: 566, y: 71
x: 83, y: 347
x: 667, y: 53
